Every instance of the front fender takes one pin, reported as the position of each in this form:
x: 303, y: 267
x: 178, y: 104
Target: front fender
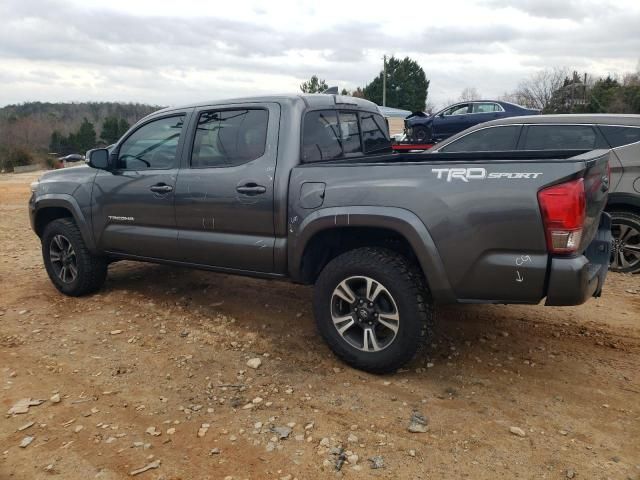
x: 399, y: 220
x: 68, y: 202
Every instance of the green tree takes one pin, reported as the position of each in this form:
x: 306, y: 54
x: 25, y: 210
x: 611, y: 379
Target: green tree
x: 123, y: 126
x: 110, y: 128
x: 314, y: 85
x: 55, y: 145
x: 86, y: 136
x: 603, y: 95
x: 407, y: 85
x: 113, y: 128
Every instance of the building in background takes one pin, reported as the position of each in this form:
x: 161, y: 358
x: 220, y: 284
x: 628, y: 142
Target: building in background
x: 395, y: 117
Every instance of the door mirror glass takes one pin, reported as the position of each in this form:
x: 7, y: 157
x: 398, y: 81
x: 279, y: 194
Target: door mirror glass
x: 98, y: 158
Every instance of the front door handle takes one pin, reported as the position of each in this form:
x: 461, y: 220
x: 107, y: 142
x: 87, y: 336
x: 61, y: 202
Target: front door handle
x: 251, y: 189
x: 161, y: 188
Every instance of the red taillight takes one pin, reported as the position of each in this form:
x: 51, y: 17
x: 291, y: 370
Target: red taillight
x: 563, y: 213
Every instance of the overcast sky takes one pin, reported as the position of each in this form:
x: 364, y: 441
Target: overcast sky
x: 172, y: 52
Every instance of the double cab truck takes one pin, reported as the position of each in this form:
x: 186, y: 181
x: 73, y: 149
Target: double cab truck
x: 306, y: 188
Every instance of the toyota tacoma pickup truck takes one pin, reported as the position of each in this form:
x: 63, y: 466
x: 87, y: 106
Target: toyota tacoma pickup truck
x: 306, y: 188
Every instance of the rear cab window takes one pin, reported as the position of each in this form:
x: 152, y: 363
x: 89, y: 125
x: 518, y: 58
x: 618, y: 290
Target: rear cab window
x: 338, y: 134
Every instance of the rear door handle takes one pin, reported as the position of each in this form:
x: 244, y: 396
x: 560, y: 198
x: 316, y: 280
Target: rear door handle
x: 161, y: 188
x: 251, y: 189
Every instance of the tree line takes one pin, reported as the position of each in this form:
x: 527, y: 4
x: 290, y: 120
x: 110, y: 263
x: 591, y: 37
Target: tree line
x: 406, y: 84
x: 32, y: 130
x: 85, y: 137
x: 553, y: 90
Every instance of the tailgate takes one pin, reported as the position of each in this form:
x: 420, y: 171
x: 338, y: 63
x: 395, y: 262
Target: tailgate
x: 596, y: 186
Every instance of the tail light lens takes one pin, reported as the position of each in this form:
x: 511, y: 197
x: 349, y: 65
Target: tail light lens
x: 563, y: 213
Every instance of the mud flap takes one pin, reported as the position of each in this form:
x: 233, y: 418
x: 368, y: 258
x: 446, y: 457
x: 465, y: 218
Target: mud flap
x: 599, y: 250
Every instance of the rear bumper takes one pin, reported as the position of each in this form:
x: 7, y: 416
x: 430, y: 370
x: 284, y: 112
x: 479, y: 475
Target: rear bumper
x: 572, y: 281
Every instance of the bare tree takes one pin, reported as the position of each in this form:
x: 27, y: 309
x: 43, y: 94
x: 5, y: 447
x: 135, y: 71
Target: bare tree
x: 468, y: 94
x: 537, y: 90
x: 430, y: 107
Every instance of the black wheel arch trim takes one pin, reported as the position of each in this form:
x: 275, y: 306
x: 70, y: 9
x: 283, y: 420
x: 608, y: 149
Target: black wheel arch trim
x: 399, y: 220
x: 623, y: 200
x: 69, y: 203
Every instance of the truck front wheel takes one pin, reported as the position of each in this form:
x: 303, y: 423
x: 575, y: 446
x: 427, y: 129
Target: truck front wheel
x: 71, y: 267
x: 372, y: 308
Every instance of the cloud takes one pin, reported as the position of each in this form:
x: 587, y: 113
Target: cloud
x: 554, y: 9
x: 118, y: 49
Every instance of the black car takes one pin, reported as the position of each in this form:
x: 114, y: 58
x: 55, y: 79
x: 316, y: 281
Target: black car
x: 580, y: 132
x: 455, y: 118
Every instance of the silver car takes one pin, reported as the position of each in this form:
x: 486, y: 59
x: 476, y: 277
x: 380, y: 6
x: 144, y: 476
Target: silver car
x: 575, y: 132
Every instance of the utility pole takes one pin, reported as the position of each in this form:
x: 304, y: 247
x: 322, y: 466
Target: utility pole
x: 384, y: 81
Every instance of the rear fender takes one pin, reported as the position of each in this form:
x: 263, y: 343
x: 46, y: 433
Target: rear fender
x: 399, y: 220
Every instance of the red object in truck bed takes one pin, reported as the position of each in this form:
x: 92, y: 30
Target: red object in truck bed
x: 405, y: 147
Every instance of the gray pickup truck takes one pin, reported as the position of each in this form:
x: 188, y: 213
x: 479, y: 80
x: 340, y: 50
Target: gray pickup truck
x: 306, y: 188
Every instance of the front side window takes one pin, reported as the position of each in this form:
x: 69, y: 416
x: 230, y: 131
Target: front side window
x: 619, y: 136
x: 152, y: 146
x: 486, y: 108
x: 494, y: 139
x: 229, y: 138
x: 375, y: 134
x: 457, y: 110
x: 560, y: 137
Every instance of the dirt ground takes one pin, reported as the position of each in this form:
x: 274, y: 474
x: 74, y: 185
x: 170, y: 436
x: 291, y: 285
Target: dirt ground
x: 140, y: 367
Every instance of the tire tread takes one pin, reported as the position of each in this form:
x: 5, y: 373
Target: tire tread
x: 94, y: 267
x: 413, y: 281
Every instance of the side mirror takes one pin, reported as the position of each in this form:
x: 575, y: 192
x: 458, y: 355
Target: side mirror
x: 98, y: 158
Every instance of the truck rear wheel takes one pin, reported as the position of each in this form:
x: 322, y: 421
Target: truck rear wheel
x: 625, y: 251
x: 372, y: 308
x: 70, y: 266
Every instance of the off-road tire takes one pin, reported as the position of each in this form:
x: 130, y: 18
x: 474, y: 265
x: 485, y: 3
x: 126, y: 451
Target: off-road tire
x: 91, y: 269
x: 631, y: 219
x: 406, y: 285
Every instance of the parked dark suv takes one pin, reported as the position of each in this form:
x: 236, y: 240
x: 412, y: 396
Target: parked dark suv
x: 460, y: 116
x: 580, y: 132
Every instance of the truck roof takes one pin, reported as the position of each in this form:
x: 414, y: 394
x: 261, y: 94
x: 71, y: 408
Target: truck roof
x: 310, y: 100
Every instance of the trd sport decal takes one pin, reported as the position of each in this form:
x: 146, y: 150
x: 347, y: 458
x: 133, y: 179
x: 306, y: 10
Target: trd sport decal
x: 466, y: 174
x: 120, y: 219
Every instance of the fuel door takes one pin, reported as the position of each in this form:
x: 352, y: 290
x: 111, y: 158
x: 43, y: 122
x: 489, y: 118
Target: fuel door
x: 312, y: 194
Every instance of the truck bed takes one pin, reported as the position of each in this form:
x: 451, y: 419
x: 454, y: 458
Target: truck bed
x: 480, y: 215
